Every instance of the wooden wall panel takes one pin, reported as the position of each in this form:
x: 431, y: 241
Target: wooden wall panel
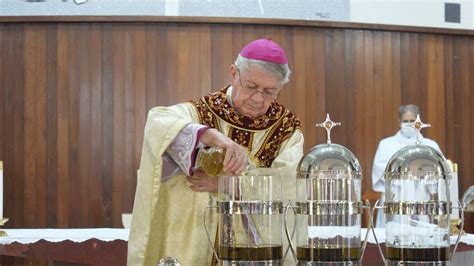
x: 60, y: 146
x: 74, y: 99
x: 96, y: 158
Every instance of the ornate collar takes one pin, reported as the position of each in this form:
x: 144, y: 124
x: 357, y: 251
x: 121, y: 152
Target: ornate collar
x: 220, y: 106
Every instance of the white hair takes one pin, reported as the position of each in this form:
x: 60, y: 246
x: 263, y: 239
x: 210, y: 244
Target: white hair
x: 408, y: 108
x: 282, y: 71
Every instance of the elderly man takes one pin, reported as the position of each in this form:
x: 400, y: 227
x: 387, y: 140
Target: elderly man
x: 389, y: 146
x: 246, y: 120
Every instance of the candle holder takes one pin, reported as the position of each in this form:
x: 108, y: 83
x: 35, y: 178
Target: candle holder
x: 3, y: 221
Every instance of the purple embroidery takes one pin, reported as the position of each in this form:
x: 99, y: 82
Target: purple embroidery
x: 170, y: 168
x: 182, y: 149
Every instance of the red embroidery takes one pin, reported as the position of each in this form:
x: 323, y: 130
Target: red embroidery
x: 243, y: 137
x: 281, y: 122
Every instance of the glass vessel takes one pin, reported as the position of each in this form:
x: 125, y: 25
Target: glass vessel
x: 249, y: 209
x: 468, y: 199
x: 417, y: 206
x: 328, y: 206
x: 210, y: 160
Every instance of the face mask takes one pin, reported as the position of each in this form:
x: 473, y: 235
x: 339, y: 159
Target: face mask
x: 407, y: 130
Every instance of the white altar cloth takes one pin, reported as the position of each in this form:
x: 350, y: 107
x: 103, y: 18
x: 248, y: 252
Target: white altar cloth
x: 28, y: 236
x: 380, y: 233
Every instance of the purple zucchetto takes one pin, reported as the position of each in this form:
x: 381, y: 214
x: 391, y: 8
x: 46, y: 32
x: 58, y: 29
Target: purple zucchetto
x: 264, y: 50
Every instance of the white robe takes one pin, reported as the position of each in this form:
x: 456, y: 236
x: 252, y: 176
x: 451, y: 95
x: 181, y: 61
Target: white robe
x: 386, y: 149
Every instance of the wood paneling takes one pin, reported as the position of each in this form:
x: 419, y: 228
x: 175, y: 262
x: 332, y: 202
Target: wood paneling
x: 237, y: 20
x: 75, y: 95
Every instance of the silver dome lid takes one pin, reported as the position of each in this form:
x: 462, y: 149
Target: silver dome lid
x: 329, y: 160
x: 417, y: 162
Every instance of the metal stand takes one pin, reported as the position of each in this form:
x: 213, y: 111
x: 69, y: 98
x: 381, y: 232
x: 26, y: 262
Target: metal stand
x: 250, y: 263
x: 329, y: 263
x: 417, y: 263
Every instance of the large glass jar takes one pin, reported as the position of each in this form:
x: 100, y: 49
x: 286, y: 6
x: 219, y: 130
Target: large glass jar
x: 249, y: 209
x: 328, y: 207
x: 417, y: 207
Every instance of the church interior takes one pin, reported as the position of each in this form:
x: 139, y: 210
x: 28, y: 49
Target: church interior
x: 77, y: 83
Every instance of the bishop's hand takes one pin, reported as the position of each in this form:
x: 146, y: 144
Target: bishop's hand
x: 201, y: 182
x: 235, y: 156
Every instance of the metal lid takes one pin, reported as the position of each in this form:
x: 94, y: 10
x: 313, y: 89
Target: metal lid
x: 418, y: 161
x: 329, y: 160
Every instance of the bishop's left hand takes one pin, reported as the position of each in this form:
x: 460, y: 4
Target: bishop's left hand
x: 201, y: 182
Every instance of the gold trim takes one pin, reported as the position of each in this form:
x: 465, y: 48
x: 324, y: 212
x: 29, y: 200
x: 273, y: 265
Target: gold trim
x: 278, y: 134
x: 242, y: 137
x: 241, y: 128
x: 206, y: 117
x: 1, y: 165
x: 220, y: 107
x: 279, y: 121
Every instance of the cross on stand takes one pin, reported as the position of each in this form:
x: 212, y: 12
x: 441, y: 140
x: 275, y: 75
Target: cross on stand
x: 328, y: 124
x: 418, y: 126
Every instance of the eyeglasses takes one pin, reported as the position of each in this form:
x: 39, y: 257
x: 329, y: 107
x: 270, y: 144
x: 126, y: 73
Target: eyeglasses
x: 268, y: 94
x: 408, y: 121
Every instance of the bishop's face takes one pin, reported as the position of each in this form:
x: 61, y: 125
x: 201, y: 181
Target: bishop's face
x: 253, y: 90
